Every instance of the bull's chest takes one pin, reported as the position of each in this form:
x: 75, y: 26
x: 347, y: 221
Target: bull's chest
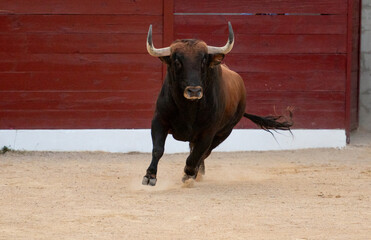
x: 183, y: 130
x: 189, y: 120
x: 186, y: 127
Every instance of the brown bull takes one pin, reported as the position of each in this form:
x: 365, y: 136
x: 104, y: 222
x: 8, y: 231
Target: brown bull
x: 201, y: 101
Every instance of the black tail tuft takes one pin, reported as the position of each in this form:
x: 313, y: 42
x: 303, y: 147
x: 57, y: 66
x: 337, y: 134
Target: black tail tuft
x: 271, y: 122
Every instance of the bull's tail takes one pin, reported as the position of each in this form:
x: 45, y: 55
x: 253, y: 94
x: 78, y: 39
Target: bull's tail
x: 271, y: 122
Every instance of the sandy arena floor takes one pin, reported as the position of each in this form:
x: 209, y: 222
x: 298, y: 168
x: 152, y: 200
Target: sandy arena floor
x: 307, y: 194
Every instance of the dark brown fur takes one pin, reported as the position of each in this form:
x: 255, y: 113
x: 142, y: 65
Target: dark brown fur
x: 205, y: 122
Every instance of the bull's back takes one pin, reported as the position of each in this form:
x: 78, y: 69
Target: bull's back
x: 234, y: 92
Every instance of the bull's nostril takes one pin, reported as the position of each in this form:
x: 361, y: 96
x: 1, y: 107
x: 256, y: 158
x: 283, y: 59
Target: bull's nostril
x: 193, y: 92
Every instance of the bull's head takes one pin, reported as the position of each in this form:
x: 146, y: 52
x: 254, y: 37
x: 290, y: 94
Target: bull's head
x: 189, y: 62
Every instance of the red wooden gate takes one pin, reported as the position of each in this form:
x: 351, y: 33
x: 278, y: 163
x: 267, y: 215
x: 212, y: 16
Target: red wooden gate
x: 83, y: 64
x: 78, y: 64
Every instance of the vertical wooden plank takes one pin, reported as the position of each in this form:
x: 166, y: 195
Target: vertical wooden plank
x: 357, y: 39
x: 352, y: 83
x: 348, y: 89
x: 168, y: 24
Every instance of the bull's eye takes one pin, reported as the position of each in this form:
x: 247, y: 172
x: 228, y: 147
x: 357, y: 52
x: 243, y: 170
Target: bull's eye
x: 203, y: 63
x: 178, y: 64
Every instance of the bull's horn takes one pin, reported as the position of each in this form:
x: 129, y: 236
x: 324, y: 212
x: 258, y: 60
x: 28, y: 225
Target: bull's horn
x: 160, y: 52
x: 228, y: 47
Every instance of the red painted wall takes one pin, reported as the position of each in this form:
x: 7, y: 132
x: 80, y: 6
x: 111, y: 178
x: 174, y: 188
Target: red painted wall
x: 83, y: 64
x: 78, y: 64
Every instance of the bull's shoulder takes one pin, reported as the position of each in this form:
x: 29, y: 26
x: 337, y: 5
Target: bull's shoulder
x: 229, y: 74
x: 224, y: 66
x: 233, y: 90
x: 232, y: 81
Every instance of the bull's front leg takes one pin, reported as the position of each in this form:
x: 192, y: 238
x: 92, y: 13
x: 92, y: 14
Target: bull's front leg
x: 198, y: 154
x: 159, y: 133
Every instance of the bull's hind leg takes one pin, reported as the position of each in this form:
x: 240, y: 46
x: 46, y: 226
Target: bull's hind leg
x: 159, y: 133
x: 198, y: 151
x: 216, y: 141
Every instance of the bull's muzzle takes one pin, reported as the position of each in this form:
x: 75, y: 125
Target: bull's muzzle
x: 193, y: 93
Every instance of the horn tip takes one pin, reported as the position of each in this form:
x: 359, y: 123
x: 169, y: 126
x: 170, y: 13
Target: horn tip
x: 231, y: 34
x: 230, y: 25
x: 149, y: 36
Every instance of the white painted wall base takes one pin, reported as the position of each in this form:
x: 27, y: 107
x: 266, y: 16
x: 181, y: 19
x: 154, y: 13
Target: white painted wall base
x: 140, y: 140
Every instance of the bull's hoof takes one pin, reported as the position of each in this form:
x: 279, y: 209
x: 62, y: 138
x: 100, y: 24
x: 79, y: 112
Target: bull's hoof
x: 149, y: 181
x: 186, y: 177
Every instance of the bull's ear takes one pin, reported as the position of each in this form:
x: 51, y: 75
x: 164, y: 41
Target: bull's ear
x: 216, y: 59
x: 165, y: 59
